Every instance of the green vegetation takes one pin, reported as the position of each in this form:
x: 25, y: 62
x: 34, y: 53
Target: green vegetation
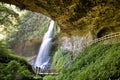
x: 13, y: 67
x: 8, y: 20
x: 49, y: 77
x: 31, y: 25
x: 61, y: 59
x: 98, y: 62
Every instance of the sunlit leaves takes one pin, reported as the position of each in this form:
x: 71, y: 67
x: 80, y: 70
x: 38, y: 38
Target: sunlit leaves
x: 31, y: 24
x: 8, y: 20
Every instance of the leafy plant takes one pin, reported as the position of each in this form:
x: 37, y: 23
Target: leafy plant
x: 13, y: 67
x: 8, y: 20
x: 61, y: 59
x: 98, y: 62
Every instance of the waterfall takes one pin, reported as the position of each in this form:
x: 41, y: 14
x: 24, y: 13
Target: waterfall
x: 43, y: 58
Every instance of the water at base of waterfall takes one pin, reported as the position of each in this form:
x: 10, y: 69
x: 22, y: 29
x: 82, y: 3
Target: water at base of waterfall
x: 43, y: 59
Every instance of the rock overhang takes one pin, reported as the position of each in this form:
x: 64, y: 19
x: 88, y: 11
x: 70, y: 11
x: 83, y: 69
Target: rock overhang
x: 76, y: 17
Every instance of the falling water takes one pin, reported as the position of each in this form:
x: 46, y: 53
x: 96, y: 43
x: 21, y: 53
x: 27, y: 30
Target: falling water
x: 43, y: 58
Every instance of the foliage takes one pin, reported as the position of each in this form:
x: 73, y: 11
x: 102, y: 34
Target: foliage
x: 61, y: 59
x: 31, y: 24
x: 49, y: 77
x: 14, y: 70
x: 13, y: 67
x: 97, y: 62
x: 8, y: 20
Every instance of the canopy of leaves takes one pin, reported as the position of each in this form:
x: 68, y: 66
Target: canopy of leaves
x: 31, y: 24
x: 8, y: 20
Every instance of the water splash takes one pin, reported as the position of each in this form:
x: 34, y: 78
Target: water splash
x: 43, y: 58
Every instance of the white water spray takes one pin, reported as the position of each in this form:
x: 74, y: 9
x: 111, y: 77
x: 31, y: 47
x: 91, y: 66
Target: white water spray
x: 43, y: 58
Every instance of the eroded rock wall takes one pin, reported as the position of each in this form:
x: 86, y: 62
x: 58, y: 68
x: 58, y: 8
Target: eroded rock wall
x: 27, y: 48
x: 75, y: 43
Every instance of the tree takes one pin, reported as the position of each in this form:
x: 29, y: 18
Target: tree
x: 31, y: 24
x: 8, y: 20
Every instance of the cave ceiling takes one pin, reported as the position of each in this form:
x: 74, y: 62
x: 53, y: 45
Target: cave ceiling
x: 76, y: 16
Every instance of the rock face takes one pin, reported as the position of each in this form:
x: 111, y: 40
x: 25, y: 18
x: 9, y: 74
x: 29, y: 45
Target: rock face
x: 75, y: 43
x: 27, y: 48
